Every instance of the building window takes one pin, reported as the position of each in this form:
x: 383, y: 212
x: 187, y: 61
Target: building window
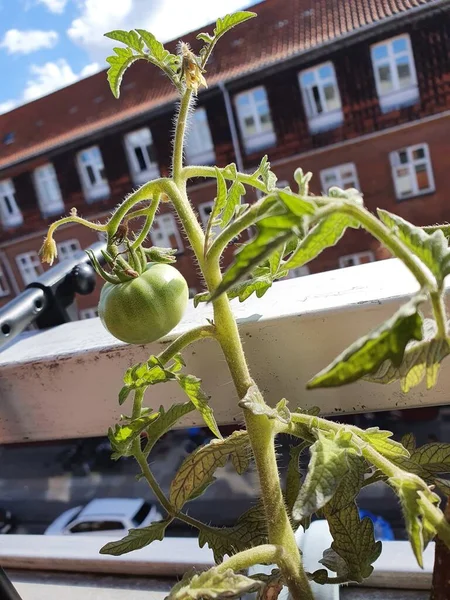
x: 254, y: 119
x: 88, y: 313
x: 48, y: 191
x: 342, y: 176
x: 141, y: 155
x: 321, y: 97
x: 4, y: 287
x: 298, y: 272
x: 68, y: 249
x: 360, y: 258
x: 395, y: 73
x: 92, y: 174
x: 9, y: 211
x: 204, y: 210
x: 29, y: 265
x: 412, y: 171
x: 165, y: 234
x: 199, y: 144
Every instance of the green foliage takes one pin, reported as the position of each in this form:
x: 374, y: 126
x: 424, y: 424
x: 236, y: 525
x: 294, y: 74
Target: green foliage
x: 382, y: 442
x: 200, y: 466
x: 327, y: 467
x: 213, y: 585
x: 428, y: 462
x: 365, y: 356
x: 223, y: 25
x: 160, y: 255
x: 254, y: 402
x: 165, y: 422
x: 136, y: 539
x: 191, y: 385
x: 293, y: 476
x: 135, y: 42
x: 122, y: 437
x: 249, y: 531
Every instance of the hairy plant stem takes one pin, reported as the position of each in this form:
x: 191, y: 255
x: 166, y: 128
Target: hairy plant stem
x: 185, y: 339
x: 265, y: 555
x: 259, y: 428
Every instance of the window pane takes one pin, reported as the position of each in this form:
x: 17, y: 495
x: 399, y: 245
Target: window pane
x: 331, y: 97
x: 8, y: 205
x: 140, y: 159
x: 423, y: 181
x: 404, y: 71
x: 418, y: 153
x: 384, y: 74
x: 404, y: 182
x: 266, y: 121
x: 316, y: 99
x: 90, y: 174
x: 259, y: 95
x: 403, y: 157
x: 379, y: 52
x: 151, y: 153
x: 249, y: 123
x: 307, y: 78
x: 330, y: 179
x: 399, y: 45
x: 325, y: 72
x: 243, y: 100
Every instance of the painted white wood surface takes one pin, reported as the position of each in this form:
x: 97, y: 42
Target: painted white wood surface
x: 63, y: 383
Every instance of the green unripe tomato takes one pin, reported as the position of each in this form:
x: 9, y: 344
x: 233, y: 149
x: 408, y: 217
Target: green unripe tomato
x: 144, y: 309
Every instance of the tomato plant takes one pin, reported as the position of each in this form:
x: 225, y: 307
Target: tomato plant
x: 292, y: 227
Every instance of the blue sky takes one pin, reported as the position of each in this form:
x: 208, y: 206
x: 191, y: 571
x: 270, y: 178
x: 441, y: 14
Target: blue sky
x: 47, y: 44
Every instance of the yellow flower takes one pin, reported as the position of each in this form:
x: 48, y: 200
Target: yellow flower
x: 48, y: 251
x: 193, y: 74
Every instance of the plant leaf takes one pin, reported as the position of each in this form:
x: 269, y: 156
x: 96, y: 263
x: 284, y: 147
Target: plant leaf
x: 382, y: 442
x: 349, y: 486
x: 165, y: 422
x: 253, y: 402
x: 332, y: 561
x: 119, y: 63
x: 218, y: 206
x: 432, y: 249
x: 409, y: 442
x: 123, y: 436
x: 212, y: 585
x: 200, y: 466
x: 202, y: 297
x: 327, y: 467
x: 323, y: 235
x: 420, y: 360
x: 387, y: 342
x: 229, y: 21
x: 155, y: 48
x: 293, y: 475
x: 136, y: 539
x: 249, y: 531
x: 354, y: 542
x: 244, y: 289
x: 129, y: 38
x: 434, y: 457
x: 191, y: 385
x: 233, y: 200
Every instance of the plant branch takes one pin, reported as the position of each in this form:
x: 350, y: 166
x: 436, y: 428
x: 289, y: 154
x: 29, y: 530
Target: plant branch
x: 190, y: 172
x: 177, y: 162
x: 439, y: 312
x: 75, y: 219
x: 185, y: 339
x: 149, y: 217
x: 265, y: 554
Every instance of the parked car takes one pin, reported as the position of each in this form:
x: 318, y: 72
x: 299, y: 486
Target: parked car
x: 105, y: 515
x: 7, y: 521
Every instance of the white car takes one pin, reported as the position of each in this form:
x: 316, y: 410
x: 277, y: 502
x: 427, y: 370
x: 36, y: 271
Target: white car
x: 105, y: 515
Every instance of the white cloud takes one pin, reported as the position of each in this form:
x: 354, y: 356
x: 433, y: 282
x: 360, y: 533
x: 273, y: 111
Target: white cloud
x: 25, y: 42
x: 167, y: 19
x: 52, y: 76
x: 90, y: 69
x: 7, y: 106
x: 54, y: 6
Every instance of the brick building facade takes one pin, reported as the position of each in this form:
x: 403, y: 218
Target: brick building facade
x: 357, y: 93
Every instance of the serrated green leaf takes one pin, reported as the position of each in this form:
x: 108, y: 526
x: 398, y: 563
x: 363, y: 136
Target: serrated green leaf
x: 191, y: 385
x: 122, y: 437
x: 365, y: 356
x: 205, y: 37
x: 218, y: 205
x: 382, y: 442
x: 325, y: 234
x: 155, y: 48
x: 432, y: 249
x: 136, y: 539
x: 327, y: 467
x: 165, y: 422
x: 213, y: 585
x: 332, y: 561
x: 241, y: 458
x: 443, y: 485
x: 296, y: 204
x: 200, y: 466
x: 161, y: 255
x: 229, y: 21
x: 202, y: 297
x: 201, y: 490
x: 354, y: 542
x: 144, y: 375
x: 254, y: 402
x: 233, y: 200
x: 349, y: 486
x: 244, y: 289
x: 249, y: 531
x: 119, y: 63
x: 293, y: 475
x: 272, y: 233
x: 129, y: 38
x: 409, y: 442
x: 435, y: 457
x: 420, y: 360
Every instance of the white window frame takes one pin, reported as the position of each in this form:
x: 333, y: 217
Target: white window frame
x: 164, y: 227
x: 33, y: 262
x: 341, y: 181
x: 99, y: 189
x: 67, y: 249
x: 328, y: 118
x: 88, y: 313
x: 152, y: 169
x: 357, y: 258
x: 10, y: 214
x: 302, y: 271
x: 394, y: 158
x: 45, y: 180
x: 199, y: 143
x: 5, y: 290
x: 262, y: 137
x: 398, y: 96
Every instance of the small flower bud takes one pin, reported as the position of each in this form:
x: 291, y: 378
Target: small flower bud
x: 48, y: 251
x: 193, y: 75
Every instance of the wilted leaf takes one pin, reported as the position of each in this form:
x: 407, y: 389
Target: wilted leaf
x: 249, y: 531
x: 136, y: 539
x: 327, y: 467
x: 432, y: 249
x: 191, y: 385
x: 200, y: 466
x: 323, y: 235
x: 387, y: 342
x: 354, y: 542
x: 420, y: 360
x: 213, y: 584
